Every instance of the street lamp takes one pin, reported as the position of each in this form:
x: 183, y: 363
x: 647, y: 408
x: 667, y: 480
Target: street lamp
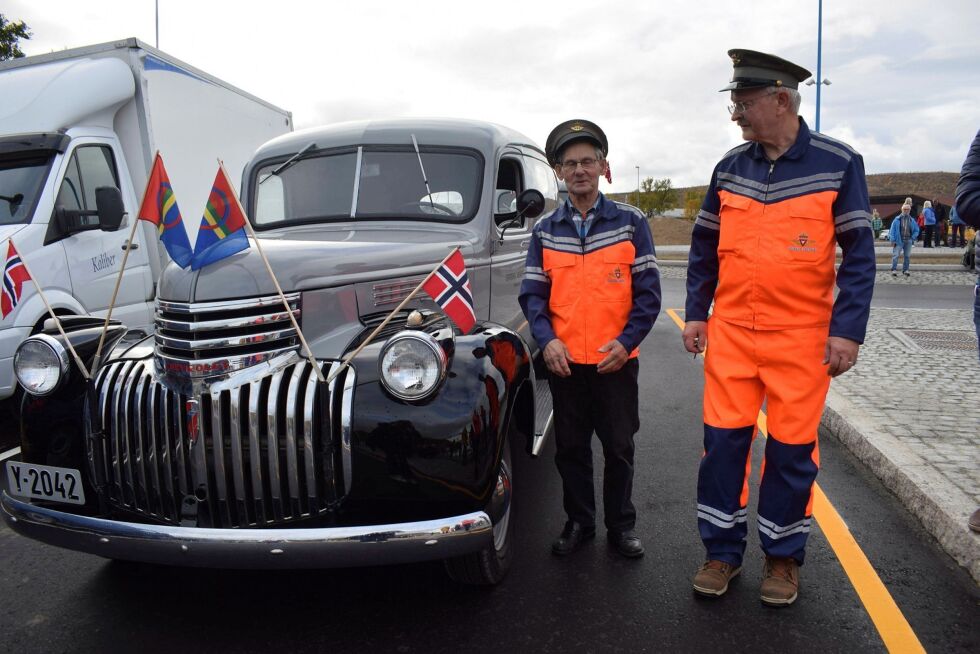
x: 812, y: 81
x: 637, y: 186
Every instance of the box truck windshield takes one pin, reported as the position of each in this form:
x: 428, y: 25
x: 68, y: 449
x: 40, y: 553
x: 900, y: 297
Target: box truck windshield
x: 21, y: 180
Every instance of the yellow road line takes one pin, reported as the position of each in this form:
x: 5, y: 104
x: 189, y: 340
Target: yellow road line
x: 894, y: 629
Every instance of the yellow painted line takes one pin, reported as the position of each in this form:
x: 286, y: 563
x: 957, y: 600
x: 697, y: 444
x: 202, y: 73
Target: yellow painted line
x: 894, y: 629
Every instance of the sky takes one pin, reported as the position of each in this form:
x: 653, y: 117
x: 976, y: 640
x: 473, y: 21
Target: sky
x: 904, y: 91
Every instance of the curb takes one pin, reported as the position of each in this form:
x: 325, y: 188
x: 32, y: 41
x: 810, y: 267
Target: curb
x: 941, y: 508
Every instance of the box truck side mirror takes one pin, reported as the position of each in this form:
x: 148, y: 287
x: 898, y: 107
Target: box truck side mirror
x: 109, y: 204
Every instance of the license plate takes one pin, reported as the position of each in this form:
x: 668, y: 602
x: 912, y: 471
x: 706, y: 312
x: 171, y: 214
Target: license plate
x: 45, y: 482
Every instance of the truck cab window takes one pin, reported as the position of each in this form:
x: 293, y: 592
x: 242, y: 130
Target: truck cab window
x: 89, y: 168
x: 509, y: 185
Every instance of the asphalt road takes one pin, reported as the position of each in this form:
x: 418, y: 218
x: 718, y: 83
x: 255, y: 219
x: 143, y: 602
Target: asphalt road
x: 591, y: 601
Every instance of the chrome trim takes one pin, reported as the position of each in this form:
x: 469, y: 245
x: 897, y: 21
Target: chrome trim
x: 218, y: 366
x: 428, y: 340
x: 59, y: 352
x: 219, y: 343
x: 225, y: 305
x: 346, y: 418
x: 393, y: 292
x: 357, y: 181
x: 252, y: 548
x: 228, y: 323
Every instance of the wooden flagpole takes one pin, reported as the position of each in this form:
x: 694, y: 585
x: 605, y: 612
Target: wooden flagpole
x: 268, y: 266
x: 349, y: 357
x: 122, y: 268
x: 54, y: 316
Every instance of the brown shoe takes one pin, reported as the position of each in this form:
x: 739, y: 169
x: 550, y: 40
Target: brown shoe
x: 780, y: 581
x: 975, y: 521
x: 713, y: 577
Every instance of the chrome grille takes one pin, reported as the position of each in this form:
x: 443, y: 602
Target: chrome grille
x: 270, y: 450
x: 199, y: 338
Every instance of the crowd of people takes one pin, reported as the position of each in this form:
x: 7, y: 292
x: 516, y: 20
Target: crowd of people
x: 935, y: 225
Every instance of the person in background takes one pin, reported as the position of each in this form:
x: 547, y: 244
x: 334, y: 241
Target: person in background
x: 776, y: 333
x: 929, y: 222
x: 902, y: 234
x: 958, y: 227
x: 942, y: 224
x: 876, y: 223
x: 968, y: 208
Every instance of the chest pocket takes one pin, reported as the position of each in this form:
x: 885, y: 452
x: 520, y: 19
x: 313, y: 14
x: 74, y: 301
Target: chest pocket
x: 802, y: 237
x: 735, y: 217
x: 614, y: 279
x: 565, y: 275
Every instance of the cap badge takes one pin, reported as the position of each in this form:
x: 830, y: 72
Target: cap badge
x: 576, y: 127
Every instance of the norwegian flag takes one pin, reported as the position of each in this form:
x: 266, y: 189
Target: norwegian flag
x: 14, y: 275
x: 450, y: 288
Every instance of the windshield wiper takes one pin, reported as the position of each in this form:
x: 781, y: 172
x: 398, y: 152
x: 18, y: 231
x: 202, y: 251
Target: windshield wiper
x: 425, y: 179
x: 288, y: 163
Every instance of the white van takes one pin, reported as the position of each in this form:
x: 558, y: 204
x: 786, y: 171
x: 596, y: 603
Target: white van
x: 77, y: 120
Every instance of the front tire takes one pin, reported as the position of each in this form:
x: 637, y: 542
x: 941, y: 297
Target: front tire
x: 489, y: 566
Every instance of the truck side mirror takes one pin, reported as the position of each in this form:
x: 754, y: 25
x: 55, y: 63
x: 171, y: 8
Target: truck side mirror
x: 109, y: 204
x: 530, y: 203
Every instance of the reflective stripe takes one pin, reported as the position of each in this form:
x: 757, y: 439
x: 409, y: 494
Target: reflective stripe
x: 774, y: 531
x: 644, y: 266
x: 851, y: 215
x: 612, y: 234
x: 816, y: 187
x: 855, y: 224
x: 709, y: 220
x: 537, y: 277
x: 741, y: 190
x: 721, y: 519
x: 840, y: 152
x: 554, y: 241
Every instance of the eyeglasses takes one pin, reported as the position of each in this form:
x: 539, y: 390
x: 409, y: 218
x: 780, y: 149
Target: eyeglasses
x: 745, y: 105
x: 569, y: 165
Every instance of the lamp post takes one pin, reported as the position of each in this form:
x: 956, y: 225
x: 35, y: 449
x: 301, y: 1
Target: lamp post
x: 812, y: 81
x: 637, y: 186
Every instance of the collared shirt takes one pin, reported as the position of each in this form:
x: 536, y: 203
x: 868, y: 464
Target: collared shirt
x: 582, y: 225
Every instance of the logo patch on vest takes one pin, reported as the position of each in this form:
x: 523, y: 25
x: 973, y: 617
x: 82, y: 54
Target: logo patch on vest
x: 615, y: 276
x: 799, y: 244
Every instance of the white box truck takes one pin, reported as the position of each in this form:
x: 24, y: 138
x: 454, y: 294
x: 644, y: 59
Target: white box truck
x: 80, y: 119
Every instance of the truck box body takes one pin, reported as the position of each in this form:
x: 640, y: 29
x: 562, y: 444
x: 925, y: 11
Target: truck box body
x: 109, y: 107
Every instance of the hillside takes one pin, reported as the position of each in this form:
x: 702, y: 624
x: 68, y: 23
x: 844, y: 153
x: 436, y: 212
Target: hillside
x: 928, y: 185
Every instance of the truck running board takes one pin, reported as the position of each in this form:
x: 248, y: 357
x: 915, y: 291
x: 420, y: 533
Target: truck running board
x: 543, y: 415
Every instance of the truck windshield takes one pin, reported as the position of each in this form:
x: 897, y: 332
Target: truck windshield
x: 21, y: 179
x: 388, y: 184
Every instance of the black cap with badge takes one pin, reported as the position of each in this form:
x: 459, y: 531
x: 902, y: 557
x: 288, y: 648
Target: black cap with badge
x: 574, y: 130
x: 757, y: 69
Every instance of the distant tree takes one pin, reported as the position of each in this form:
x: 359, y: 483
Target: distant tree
x: 662, y: 196
x: 10, y: 34
x: 692, y: 204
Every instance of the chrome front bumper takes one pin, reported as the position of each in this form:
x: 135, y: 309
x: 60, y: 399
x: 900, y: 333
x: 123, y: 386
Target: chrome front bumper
x: 333, y: 547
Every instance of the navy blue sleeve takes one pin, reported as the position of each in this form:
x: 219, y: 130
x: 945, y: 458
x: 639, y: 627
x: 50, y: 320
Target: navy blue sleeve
x: 856, y: 274
x: 535, y: 293
x: 968, y: 187
x: 702, y: 260
x: 645, y: 275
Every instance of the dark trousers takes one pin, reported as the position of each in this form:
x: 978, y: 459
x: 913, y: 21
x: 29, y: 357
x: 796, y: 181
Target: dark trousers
x: 962, y: 231
x: 588, y: 402
x: 930, y: 232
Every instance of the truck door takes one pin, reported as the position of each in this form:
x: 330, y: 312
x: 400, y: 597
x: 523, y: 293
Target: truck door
x: 94, y: 256
x: 517, y: 170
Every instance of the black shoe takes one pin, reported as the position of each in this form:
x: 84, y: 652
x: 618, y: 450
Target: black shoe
x: 571, y: 538
x: 626, y: 543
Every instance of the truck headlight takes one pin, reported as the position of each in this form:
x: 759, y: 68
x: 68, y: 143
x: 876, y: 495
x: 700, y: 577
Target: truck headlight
x: 40, y: 363
x: 412, y: 365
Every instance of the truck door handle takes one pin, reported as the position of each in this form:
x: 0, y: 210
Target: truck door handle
x: 130, y: 246
x: 525, y: 243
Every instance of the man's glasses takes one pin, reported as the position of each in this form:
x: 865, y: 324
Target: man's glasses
x: 569, y: 165
x: 745, y: 105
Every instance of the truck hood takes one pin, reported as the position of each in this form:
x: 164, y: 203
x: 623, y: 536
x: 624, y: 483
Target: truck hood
x: 310, y: 260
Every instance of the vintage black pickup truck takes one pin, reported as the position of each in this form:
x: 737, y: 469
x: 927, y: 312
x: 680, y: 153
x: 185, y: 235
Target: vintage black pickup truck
x: 212, y: 442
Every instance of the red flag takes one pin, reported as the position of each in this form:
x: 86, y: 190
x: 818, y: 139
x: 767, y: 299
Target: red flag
x: 160, y: 208
x: 450, y: 288
x: 14, y: 275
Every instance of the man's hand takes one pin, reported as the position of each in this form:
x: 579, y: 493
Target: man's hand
x: 695, y: 336
x: 557, y: 358
x: 841, y: 354
x: 615, y: 359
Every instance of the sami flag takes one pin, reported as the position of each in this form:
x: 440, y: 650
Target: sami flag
x: 14, y: 275
x: 222, y: 232
x: 160, y: 208
x: 450, y: 288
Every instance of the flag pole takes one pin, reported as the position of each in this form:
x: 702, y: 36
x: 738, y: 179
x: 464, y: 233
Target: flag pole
x: 268, y: 266
x: 54, y: 316
x: 349, y: 357
x: 122, y: 268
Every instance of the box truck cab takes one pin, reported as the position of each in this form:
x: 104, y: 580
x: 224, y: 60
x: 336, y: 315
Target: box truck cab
x: 76, y: 121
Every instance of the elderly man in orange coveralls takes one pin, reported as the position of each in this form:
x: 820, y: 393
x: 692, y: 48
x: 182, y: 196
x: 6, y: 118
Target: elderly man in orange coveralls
x: 763, y: 249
